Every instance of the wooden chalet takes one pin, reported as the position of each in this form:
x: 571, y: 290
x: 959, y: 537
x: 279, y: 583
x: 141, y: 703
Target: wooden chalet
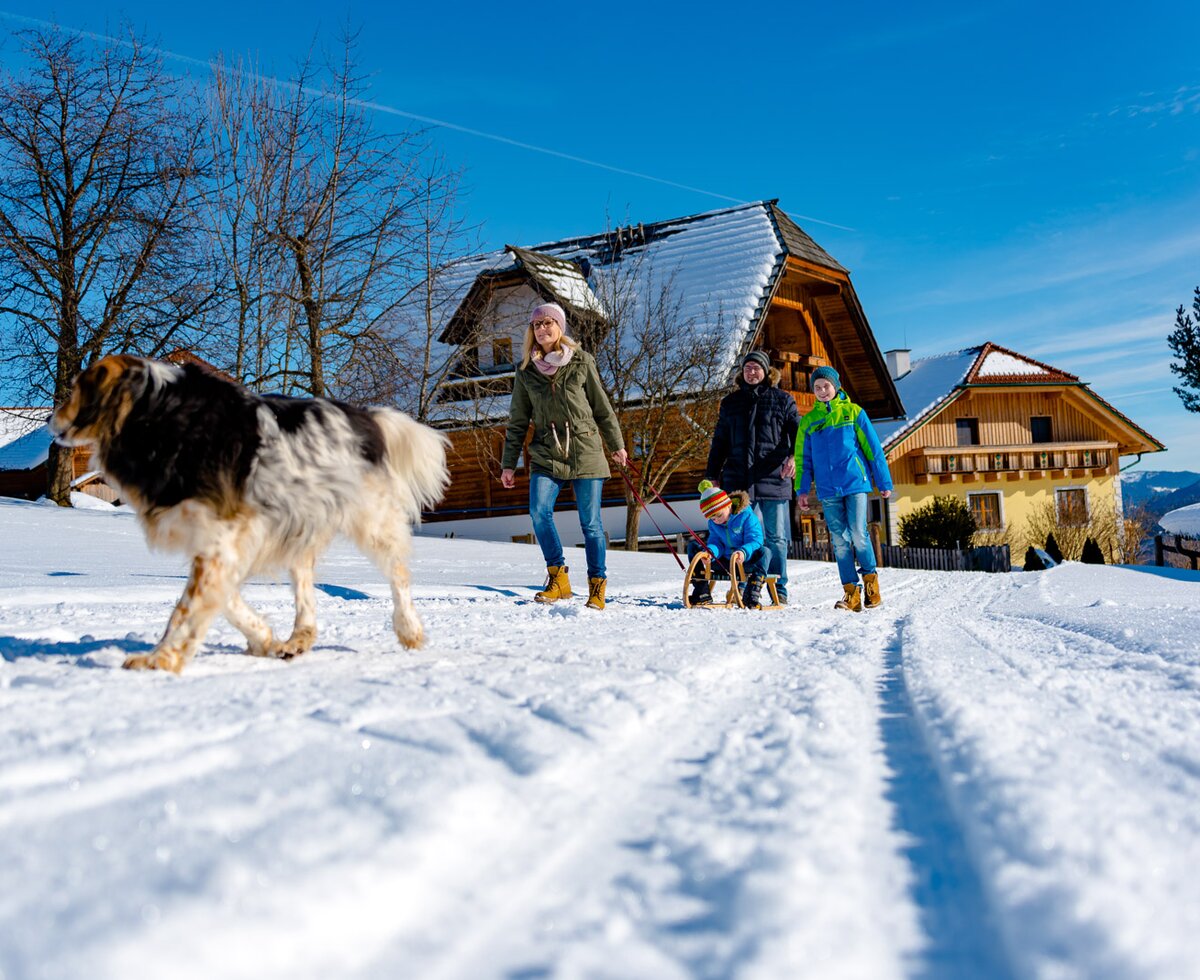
x: 749, y: 273
x: 1009, y: 435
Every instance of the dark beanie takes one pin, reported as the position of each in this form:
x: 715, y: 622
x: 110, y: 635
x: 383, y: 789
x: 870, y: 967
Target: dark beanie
x: 826, y: 372
x: 759, y: 358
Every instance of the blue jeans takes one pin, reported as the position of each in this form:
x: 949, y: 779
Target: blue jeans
x: 543, y: 492
x: 777, y: 531
x: 846, y: 518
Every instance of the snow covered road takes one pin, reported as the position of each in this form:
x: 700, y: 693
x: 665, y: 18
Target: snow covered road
x: 990, y: 776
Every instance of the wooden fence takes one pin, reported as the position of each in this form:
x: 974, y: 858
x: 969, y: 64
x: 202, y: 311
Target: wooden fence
x: 1178, y: 545
x: 987, y: 558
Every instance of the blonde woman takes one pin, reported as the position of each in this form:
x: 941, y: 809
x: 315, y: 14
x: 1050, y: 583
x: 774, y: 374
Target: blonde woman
x: 557, y: 388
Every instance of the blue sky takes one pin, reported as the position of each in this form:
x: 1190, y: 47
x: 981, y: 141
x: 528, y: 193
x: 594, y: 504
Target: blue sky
x: 1021, y: 172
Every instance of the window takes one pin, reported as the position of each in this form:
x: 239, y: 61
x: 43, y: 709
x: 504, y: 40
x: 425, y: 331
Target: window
x: 875, y: 508
x: 985, y: 508
x: 1072, y: 506
x: 502, y: 352
x: 1040, y: 429
x: 968, y: 432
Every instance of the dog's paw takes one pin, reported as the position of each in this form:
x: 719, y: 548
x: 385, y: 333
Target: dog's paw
x: 300, y: 642
x: 155, y: 660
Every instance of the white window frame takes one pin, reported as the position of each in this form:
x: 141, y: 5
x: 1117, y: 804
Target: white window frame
x: 995, y: 493
x: 1087, y: 505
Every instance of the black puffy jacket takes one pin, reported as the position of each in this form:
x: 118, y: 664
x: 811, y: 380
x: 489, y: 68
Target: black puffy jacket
x: 755, y: 436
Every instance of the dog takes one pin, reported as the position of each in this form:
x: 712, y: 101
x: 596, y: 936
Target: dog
x: 243, y: 483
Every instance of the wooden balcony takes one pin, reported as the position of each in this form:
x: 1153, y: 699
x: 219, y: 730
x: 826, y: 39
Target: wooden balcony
x: 1050, y: 460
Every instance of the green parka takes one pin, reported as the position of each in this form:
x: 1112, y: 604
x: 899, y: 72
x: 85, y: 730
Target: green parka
x: 571, y: 415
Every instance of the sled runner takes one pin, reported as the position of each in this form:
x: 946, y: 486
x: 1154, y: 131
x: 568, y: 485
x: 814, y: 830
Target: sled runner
x: 701, y: 565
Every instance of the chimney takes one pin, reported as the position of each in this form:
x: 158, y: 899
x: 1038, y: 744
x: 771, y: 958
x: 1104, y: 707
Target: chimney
x: 899, y: 362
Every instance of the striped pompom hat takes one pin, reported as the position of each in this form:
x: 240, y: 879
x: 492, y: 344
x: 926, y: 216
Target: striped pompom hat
x: 712, y: 499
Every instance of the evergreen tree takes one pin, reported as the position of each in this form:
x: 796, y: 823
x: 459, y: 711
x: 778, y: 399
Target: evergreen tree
x: 1032, y: 562
x: 1184, y: 342
x: 1053, y: 550
x: 1092, y: 555
x: 944, y: 522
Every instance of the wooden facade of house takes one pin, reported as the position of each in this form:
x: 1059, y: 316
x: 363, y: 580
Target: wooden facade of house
x: 789, y: 298
x: 1009, y: 435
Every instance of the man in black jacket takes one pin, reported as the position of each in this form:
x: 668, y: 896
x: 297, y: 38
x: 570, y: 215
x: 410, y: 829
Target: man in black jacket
x: 752, y: 450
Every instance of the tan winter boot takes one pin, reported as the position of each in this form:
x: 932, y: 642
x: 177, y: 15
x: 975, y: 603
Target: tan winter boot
x: 852, y: 599
x: 557, y: 585
x: 596, y: 593
x: 871, y: 596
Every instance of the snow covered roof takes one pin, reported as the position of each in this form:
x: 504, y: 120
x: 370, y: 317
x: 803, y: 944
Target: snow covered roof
x: 28, y: 451
x: 930, y: 383
x: 1184, y: 521
x: 17, y: 422
x: 934, y: 381
x: 998, y: 365
x: 721, y: 266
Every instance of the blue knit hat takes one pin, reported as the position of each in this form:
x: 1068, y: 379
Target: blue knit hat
x: 826, y: 372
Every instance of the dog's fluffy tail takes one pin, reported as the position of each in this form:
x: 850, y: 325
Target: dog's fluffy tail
x: 416, y: 460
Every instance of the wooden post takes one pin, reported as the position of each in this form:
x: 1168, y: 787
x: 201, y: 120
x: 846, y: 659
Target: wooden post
x: 876, y: 541
x: 1158, y: 550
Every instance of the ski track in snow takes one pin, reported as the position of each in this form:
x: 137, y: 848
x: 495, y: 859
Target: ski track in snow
x: 990, y: 776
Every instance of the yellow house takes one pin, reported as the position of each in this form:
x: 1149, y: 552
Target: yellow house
x: 1015, y: 438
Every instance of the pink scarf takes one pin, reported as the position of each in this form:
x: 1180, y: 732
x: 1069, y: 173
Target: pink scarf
x: 549, y: 363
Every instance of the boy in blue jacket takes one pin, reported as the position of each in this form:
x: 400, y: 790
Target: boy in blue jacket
x: 732, y: 527
x: 838, y: 450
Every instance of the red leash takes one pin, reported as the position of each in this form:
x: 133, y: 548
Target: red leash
x: 655, y: 493
x: 666, y: 540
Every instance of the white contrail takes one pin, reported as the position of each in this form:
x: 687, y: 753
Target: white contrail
x: 427, y: 120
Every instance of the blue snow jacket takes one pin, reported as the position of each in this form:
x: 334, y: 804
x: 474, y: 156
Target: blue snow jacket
x: 838, y: 449
x: 742, y: 532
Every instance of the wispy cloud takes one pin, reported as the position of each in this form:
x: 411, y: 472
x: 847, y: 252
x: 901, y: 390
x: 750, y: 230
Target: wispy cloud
x: 1185, y: 99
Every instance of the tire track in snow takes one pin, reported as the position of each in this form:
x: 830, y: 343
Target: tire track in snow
x: 963, y: 935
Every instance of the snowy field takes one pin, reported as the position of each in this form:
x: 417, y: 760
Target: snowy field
x: 990, y: 776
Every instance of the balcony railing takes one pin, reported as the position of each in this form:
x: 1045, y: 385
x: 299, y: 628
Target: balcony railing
x: 949, y: 460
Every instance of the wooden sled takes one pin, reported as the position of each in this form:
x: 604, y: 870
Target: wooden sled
x: 701, y: 564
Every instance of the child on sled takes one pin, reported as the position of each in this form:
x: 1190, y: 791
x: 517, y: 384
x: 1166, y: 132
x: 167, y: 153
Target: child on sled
x: 732, y: 527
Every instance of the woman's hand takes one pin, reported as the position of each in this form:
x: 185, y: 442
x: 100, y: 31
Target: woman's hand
x: 738, y: 555
x: 621, y: 458
x: 789, y: 468
x: 508, y: 479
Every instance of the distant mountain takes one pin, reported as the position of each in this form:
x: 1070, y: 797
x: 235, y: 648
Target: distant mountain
x: 1147, y: 487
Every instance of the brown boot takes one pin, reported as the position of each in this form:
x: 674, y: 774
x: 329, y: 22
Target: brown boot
x: 852, y: 599
x: 557, y: 585
x: 871, y: 596
x: 596, y: 593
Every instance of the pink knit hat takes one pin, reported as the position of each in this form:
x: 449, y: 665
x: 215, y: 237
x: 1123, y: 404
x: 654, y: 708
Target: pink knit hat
x: 552, y: 310
x: 712, y: 499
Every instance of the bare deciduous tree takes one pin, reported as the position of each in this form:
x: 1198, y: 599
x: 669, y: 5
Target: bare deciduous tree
x: 343, y: 211
x: 98, y: 166
x: 661, y: 370
x: 401, y: 361
x: 252, y: 271
x: 1100, y: 523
